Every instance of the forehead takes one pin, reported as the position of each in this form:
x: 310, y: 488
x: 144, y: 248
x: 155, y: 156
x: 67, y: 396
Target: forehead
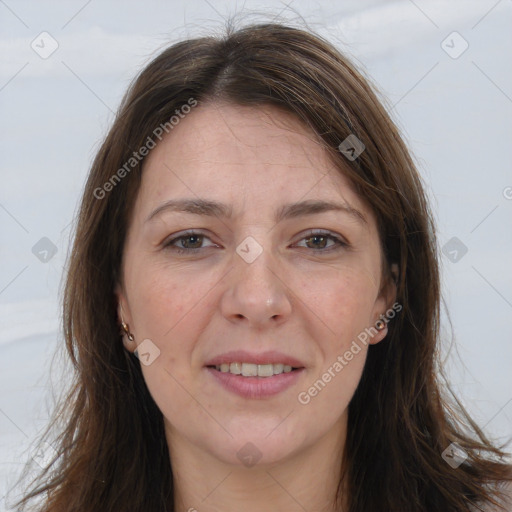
x: 244, y: 156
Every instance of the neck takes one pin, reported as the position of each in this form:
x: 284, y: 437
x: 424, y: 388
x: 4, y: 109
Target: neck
x: 306, y: 480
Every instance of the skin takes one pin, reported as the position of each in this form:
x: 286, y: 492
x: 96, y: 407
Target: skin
x: 299, y: 296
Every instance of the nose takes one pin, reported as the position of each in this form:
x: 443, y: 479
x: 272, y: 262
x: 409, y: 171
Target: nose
x: 256, y: 293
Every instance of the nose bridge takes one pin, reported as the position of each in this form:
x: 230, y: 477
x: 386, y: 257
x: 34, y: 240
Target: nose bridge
x: 254, y: 267
x: 255, y: 291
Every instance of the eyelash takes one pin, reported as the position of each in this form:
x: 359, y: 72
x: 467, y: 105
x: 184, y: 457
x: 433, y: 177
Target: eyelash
x: 339, y: 242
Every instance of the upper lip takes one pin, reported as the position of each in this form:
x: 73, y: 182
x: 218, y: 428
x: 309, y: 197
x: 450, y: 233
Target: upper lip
x: 242, y: 356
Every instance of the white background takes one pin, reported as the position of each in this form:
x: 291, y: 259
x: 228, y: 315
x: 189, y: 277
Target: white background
x: 455, y: 114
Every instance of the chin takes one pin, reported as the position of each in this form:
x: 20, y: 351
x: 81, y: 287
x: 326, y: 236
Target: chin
x: 257, y: 453
x: 250, y: 448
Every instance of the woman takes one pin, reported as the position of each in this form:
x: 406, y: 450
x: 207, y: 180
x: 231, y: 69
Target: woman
x: 254, y: 225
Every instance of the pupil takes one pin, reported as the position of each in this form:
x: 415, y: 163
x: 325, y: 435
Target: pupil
x: 316, y: 238
x: 192, y: 237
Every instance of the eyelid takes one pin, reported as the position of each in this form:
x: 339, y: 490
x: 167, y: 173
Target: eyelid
x: 184, y: 234
x: 339, y: 240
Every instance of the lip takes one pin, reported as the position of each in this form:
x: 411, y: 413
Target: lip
x: 255, y: 387
x: 268, y: 357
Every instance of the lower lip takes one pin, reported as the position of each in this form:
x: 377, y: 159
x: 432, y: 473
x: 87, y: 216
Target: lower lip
x: 256, y: 387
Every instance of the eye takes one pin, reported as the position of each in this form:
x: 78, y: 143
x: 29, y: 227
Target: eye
x: 192, y: 242
x: 319, y: 240
x: 188, y: 242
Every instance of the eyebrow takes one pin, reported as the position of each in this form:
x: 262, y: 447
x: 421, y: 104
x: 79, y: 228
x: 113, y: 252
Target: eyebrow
x: 288, y: 211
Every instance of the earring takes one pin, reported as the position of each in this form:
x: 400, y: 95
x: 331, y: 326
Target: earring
x: 380, y: 325
x: 124, y: 326
x: 126, y: 329
x: 394, y: 272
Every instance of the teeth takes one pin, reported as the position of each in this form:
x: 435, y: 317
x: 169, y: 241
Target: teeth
x: 278, y: 368
x: 265, y: 370
x: 249, y: 370
x: 235, y: 368
x: 254, y: 370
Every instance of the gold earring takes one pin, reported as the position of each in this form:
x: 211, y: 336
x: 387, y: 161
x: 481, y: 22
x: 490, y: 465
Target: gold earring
x: 380, y: 325
x: 126, y: 329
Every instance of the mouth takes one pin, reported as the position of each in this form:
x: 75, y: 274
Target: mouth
x: 254, y: 370
x: 255, y: 381
x: 255, y: 375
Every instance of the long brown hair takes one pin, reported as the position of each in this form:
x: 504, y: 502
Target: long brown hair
x: 111, y: 449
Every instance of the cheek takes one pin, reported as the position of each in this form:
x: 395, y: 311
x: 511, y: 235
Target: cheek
x: 169, y: 309
x: 343, y: 300
x: 163, y: 298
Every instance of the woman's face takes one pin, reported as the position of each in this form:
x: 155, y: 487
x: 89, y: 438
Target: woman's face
x: 236, y: 254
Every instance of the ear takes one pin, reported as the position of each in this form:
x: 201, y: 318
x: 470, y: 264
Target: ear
x: 385, y: 302
x: 124, y: 315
